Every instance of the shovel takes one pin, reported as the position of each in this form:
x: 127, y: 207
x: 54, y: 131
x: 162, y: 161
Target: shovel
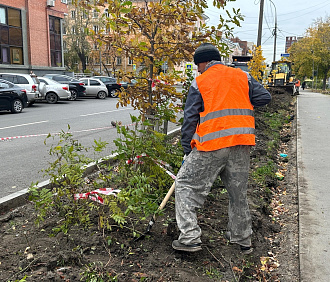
x: 161, y: 206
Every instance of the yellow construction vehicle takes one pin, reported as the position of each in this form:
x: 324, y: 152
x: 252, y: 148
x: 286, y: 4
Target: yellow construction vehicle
x: 281, y: 76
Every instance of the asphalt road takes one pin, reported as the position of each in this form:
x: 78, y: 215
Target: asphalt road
x: 23, y: 153
x: 313, y: 185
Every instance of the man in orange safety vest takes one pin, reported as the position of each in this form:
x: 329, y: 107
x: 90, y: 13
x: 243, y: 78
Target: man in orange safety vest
x: 217, y: 135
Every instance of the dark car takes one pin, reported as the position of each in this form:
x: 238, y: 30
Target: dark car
x: 12, y: 97
x: 76, y: 87
x: 111, y: 84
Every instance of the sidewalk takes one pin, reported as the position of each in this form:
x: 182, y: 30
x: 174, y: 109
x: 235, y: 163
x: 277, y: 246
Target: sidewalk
x: 313, y: 153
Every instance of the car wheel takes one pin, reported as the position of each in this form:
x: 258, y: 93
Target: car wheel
x: 17, y: 106
x: 74, y: 95
x: 51, y: 98
x: 113, y: 93
x: 101, y: 95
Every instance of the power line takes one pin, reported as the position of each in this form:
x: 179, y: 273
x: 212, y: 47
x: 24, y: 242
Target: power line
x: 327, y: 1
x: 297, y: 11
x: 307, y: 12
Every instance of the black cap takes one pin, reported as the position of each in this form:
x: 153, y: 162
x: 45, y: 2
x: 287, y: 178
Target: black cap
x: 206, y: 52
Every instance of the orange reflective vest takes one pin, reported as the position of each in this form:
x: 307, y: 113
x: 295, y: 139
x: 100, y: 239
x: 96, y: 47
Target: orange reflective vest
x: 227, y: 119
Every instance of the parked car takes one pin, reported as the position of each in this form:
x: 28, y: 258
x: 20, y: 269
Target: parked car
x: 133, y: 82
x: 76, y: 87
x: 111, y: 84
x: 54, y: 91
x: 27, y: 81
x: 12, y: 97
x: 124, y: 84
x: 95, y: 88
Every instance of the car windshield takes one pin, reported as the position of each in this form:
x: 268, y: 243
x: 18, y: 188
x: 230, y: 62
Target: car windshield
x: 48, y: 81
x: 6, y: 84
x: 107, y: 79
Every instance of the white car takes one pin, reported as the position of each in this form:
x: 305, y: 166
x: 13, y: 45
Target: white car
x: 53, y: 90
x: 29, y: 82
x: 95, y: 88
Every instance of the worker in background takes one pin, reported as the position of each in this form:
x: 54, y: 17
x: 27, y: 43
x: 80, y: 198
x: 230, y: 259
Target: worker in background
x: 217, y: 134
x: 297, y: 86
x: 303, y: 85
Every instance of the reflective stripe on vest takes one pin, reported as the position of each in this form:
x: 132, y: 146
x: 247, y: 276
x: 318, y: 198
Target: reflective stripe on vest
x: 228, y: 116
x: 224, y: 133
x: 227, y: 112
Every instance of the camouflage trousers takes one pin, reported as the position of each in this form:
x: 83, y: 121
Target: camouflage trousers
x: 193, y: 184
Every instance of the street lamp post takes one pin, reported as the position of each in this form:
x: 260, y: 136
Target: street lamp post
x: 275, y: 31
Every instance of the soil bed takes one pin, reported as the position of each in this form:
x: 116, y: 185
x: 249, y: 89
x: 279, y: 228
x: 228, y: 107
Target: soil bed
x: 28, y: 251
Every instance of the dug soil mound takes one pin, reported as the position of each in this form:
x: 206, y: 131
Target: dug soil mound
x: 27, y: 252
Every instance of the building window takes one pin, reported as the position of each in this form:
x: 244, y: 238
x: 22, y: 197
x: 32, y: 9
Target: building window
x: 85, y: 14
x: 55, y: 41
x: 64, y: 1
x: 11, y: 39
x: 96, y: 28
x: 95, y: 14
x: 73, y: 14
x: 106, y: 13
x: 118, y: 61
x: 130, y: 61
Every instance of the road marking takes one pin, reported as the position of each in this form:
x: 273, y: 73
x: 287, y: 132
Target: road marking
x: 18, y: 125
x: 57, y: 133
x: 99, y: 113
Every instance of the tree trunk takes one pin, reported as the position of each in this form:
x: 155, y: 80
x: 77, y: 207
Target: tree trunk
x: 325, y: 78
x: 82, y: 58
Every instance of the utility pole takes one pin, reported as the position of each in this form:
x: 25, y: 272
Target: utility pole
x: 275, y: 32
x: 261, y: 14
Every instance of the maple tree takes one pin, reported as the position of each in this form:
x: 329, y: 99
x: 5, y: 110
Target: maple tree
x: 312, y: 52
x: 257, y: 64
x: 157, y: 34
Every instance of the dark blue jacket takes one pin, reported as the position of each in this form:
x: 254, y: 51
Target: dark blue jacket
x: 259, y: 96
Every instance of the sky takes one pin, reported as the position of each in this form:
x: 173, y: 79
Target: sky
x: 294, y: 17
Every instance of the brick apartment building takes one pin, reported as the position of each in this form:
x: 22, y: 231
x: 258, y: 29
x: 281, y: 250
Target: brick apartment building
x: 31, y: 35
x: 289, y: 40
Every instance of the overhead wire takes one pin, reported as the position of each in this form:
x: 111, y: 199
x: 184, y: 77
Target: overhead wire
x: 297, y: 11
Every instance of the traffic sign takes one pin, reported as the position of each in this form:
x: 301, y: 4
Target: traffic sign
x: 285, y: 55
x: 189, y: 66
x: 134, y: 67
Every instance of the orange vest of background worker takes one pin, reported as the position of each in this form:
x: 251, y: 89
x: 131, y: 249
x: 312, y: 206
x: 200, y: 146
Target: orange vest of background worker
x: 297, y: 84
x: 227, y: 120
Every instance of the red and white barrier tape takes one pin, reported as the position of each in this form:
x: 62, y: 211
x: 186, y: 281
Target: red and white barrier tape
x: 160, y: 163
x: 94, y: 195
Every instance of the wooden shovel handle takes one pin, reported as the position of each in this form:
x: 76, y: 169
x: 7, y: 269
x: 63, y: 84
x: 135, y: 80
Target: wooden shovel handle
x: 168, y: 195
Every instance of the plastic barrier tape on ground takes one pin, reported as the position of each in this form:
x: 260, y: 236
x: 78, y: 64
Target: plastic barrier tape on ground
x: 94, y: 195
x: 160, y: 163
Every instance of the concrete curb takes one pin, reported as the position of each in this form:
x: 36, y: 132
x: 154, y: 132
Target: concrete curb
x: 299, y: 182
x: 20, y: 198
